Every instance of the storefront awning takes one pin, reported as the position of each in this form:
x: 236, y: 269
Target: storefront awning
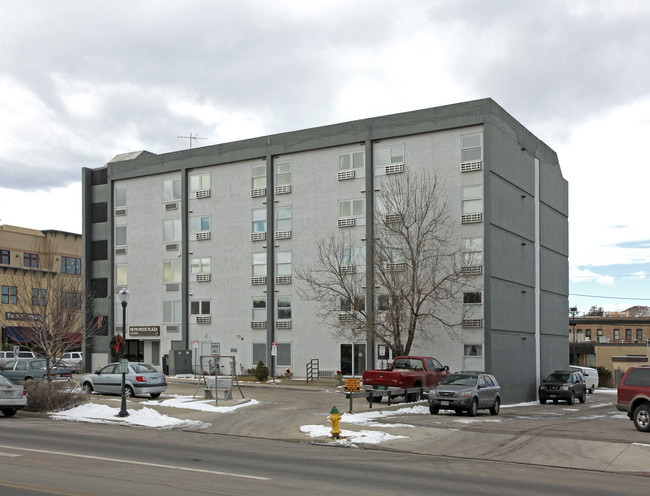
x: 15, y: 333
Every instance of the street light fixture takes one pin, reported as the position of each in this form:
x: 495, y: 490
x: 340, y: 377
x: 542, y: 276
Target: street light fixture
x: 124, y: 299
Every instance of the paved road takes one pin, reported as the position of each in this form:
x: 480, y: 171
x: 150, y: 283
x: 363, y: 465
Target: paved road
x: 40, y: 456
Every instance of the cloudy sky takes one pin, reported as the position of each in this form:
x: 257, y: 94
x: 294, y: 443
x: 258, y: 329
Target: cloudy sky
x: 81, y: 81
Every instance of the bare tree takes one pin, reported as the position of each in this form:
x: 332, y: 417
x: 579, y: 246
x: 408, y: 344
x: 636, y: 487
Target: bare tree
x: 417, y: 270
x: 49, y: 304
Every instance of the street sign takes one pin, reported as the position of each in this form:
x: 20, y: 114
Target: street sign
x: 196, y: 343
x: 274, y: 349
x: 123, y: 368
x: 352, y: 385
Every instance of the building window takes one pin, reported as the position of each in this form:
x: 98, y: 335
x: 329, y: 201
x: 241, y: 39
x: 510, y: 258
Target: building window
x: 346, y: 305
x: 588, y: 334
x: 471, y: 147
x: 472, y: 249
x: 617, y: 334
x: 30, y: 260
x: 259, y: 264
x: 5, y: 257
x: 172, y: 271
x: 639, y: 335
x: 172, y: 312
x: 352, y: 208
x: 120, y: 196
x: 473, y: 350
x: 628, y: 334
x: 283, y: 263
x: 353, y: 255
x: 201, y: 265
x: 199, y: 182
x: 283, y: 174
x: 472, y: 200
x: 99, y: 212
x: 9, y: 295
x: 390, y: 255
x: 284, y: 307
x: 599, y: 332
x: 383, y: 302
x: 99, y: 250
x: 351, y: 161
x: 39, y: 297
x: 171, y: 230
x: 120, y: 235
x: 259, y: 353
x: 472, y: 298
x: 171, y: 190
x: 259, y: 220
x: 70, y: 300
x: 259, y: 308
x: 390, y: 155
x: 200, y: 307
x: 283, y: 219
x: 200, y: 224
x: 259, y: 177
x: 283, y: 358
x: 120, y: 274
x: 71, y: 265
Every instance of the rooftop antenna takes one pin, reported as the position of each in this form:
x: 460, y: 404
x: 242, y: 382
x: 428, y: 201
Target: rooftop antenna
x: 191, y: 137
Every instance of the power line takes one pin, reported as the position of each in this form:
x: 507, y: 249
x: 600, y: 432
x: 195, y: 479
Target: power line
x: 609, y: 297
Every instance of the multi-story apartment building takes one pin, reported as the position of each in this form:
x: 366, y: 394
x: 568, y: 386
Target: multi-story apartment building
x: 206, y: 240
x: 23, y: 251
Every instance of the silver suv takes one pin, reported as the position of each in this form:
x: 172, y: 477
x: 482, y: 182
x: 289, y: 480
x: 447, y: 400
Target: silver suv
x: 466, y: 391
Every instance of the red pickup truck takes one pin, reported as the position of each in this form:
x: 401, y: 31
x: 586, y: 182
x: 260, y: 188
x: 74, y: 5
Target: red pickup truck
x: 407, y: 372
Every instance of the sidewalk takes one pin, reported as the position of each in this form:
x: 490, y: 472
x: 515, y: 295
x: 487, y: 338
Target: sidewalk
x: 278, y: 411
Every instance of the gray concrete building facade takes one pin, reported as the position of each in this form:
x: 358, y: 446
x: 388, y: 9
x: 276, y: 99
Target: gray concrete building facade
x: 206, y: 240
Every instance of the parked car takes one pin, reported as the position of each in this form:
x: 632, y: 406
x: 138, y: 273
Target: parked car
x: 633, y: 396
x: 12, y: 397
x: 71, y: 359
x: 8, y: 356
x: 590, y: 375
x: 565, y: 385
x: 466, y: 391
x: 141, y: 378
x: 33, y: 369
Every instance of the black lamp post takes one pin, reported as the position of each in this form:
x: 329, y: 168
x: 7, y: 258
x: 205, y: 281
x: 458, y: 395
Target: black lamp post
x: 574, y: 311
x: 124, y: 298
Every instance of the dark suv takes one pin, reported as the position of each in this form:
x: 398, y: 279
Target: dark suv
x: 633, y: 396
x: 566, y: 385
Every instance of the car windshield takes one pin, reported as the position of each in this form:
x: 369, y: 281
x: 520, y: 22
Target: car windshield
x: 460, y: 380
x: 5, y: 382
x: 143, y: 368
x: 558, y: 378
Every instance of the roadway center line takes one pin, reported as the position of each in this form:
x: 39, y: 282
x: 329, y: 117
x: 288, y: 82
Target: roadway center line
x: 143, y: 464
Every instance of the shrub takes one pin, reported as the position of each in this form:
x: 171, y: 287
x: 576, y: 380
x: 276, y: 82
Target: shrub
x: 261, y: 372
x: 604, y: 376
x: 45, y: 396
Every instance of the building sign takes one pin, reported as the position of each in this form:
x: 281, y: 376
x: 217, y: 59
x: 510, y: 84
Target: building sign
x: 22, y: 316
x: 144, y: 331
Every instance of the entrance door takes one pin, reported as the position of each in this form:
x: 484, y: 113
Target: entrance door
x: 353, y: 359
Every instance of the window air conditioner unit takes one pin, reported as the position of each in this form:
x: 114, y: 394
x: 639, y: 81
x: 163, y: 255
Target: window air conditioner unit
x: 345, y: 174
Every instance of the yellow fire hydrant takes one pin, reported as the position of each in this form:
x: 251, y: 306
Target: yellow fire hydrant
x: 335, y: 418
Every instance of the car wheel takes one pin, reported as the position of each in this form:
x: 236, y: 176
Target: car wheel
x: 154, y: 395
x: 591, y: 390
x: 128, y: 392
x: 433, y: 410
x: 9, y: 412
x: 572, y: 398
x: 583, y: 397
x: 542, y: 401
x: 496, y: 407
x: 641, y: 417
x: 473, y: 408
x: 87, y: 387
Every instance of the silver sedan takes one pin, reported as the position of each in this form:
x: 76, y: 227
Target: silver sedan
x: 141, y: 378
x: 12, y: 397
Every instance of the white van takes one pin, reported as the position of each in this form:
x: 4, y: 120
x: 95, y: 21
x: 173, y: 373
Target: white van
x: 590, y: 375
